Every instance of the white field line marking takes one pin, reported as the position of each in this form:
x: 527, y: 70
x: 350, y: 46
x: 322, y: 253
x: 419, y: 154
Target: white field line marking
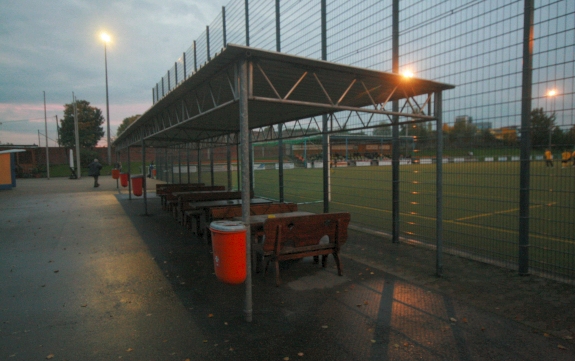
x: 501, y: 212
x: 514, y: 232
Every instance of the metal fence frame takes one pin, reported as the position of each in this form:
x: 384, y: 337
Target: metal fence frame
x: 503, y: 60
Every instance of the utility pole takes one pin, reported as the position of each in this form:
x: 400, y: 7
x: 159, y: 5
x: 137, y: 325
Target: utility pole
x: 46, y: 135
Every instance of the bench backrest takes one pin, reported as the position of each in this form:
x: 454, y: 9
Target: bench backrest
x: 170, y: 196
x: 204, y: 196
x: 227, y: 212
x: 303, y: 231
x: 169, y: 188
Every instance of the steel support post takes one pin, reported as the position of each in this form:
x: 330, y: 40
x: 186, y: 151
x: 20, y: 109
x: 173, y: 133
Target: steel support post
x: 325, y: 135
x: 281, y: 162
x: 165, y: 173
x: 188, y: 161
x: 211, y: 152
x: 129, y: 175
x: 280, y: 129
x: 144, y: 179
x: 179, y: 164
x: 395, y: 126
x: 199, y: 164
x: 439, y: 187
x: 229, y: 163
x: 326, y: 164
x: 251, y: 162
x: 172, y: 167
x: 238, y: 162
x: 245, y: 155
x: 523, y: 257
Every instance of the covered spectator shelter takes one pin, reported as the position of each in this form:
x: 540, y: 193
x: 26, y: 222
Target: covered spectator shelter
x: 245, y: 95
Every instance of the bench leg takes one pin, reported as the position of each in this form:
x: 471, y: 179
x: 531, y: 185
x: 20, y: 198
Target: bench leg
x: 337, y: 262
x: 278, y: 280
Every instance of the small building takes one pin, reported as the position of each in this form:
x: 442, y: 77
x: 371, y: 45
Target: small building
x: 8, y: 168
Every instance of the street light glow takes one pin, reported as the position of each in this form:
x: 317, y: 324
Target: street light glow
x: 552, y: 93
x: 105, y: 37
x: 407, y: 74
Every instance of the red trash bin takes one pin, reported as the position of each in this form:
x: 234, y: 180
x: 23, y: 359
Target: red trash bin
x: 137, y: 184
x: 154, y: 172
x: 229, y: 248
x: 115, y: 173
x: 124, y: 178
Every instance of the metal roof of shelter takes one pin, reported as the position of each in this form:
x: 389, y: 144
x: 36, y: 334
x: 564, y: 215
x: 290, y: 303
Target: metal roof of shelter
x: 281, y: 88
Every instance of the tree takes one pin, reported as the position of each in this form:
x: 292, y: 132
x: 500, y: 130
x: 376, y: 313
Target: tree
x: 126, y: 123
x: 90, y: 128
x: 542, y: 126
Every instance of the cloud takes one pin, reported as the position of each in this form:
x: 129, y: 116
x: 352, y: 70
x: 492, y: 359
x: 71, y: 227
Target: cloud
x: 54, y: 46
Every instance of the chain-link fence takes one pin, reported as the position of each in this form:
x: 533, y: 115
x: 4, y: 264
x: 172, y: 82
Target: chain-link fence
x: 475, y: 45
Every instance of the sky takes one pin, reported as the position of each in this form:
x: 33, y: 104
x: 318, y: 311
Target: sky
x: 54, y: 47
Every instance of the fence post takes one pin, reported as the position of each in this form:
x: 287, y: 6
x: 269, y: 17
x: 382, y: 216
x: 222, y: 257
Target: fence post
x: 439, y: 186
x: 208, y: 42
x: 395, y: 126
x: 325, y: 135
x: 247, y: 11
x: 523, y: 257
x: 224, y: 25
x: 195, y: 58
x: 184, y: 59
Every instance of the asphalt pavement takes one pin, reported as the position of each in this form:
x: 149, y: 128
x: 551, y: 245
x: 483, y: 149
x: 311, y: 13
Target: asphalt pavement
x: 90, y: 274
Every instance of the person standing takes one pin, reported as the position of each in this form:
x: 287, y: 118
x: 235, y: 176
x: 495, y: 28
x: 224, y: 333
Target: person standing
x: 548, y: 158
x: 94, y: 171
x: 151, y: 169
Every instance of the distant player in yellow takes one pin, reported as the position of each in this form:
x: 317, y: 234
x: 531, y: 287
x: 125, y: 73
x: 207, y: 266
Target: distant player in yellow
x: 548, y: 158
x: 565, y: 158
x: 573, y: 158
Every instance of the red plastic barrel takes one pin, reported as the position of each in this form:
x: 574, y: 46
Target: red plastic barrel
x: 115, y: 173
x: 154, y: 172
x: 137, y: 184
x: 124, y: 178
x: 229, y: 248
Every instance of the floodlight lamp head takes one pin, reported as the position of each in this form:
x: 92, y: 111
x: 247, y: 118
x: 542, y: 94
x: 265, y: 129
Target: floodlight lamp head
x: 105, y: 37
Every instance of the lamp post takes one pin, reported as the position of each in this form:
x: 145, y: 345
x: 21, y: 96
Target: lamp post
x: 551, y: 94
x: 106, y: 39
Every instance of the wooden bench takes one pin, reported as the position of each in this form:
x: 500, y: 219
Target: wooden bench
x: 303, y: 236
x: 185, y: 200
x: 229, y: 212
x: 163, y: 189
x: 172, y: 198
